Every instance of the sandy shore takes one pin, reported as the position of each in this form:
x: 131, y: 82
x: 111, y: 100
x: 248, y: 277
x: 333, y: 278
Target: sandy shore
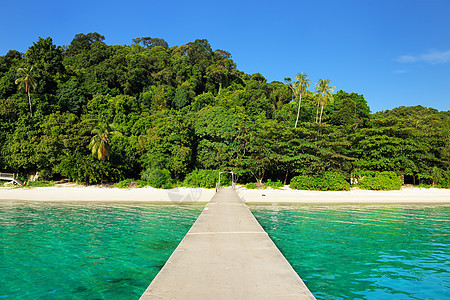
x: 104, y: 194
x: 197, y: 195
x: 406, y: 195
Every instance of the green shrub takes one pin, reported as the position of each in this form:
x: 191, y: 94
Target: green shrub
x: 445, y: 181
x: 381, y: 181
x: 358, y: 174
x: 329, y: 181
x: 88, y: 169
x: 39, y: 184
x: 250, y: 185
x: 123, y: 184
x: 136, y: 183
x: 425, y: 178
x: 275, y: 185
x: 206, y: 179
x: 141, y: 183
x: 445, y: 184
x: 158, y: 178
x: 361, y: 173
x: 425, y: 186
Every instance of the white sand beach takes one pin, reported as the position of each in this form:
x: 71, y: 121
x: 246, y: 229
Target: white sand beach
x: 106, y: 194
x: 67, y: 193
x: 289, y: 196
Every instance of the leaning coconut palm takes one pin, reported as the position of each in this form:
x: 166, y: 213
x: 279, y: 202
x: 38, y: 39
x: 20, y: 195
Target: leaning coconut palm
x: 26, y: 80
x: 299, y: 88
x: 325, y: 90
x: 99, y: 144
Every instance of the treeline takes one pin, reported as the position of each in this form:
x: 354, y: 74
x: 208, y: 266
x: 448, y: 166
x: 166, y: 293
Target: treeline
x: 93, y: 112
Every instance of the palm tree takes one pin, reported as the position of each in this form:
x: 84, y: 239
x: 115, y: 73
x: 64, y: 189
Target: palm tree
x: 26, y: 80
x: 299, y: 88
x: 325, y: 90
x: 99, y: 144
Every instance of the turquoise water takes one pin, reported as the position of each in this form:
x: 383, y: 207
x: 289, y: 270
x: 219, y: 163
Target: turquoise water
x: 113, y: 251
x: 94, y: 251
x: 364, y: 252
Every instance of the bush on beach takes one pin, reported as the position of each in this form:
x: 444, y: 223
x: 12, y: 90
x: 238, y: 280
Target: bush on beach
x: 250, y: 186
x: 39, y: 184
x: 123, y: 184
x: 157, y: 178
x: 329, y: 181
x: 381, y: 181
x: 205, y: 179
x: 131, y: 183
x: 273, y: 184
x: 445, y: 181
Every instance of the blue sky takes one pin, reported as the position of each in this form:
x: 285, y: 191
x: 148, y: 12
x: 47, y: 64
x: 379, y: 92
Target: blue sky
x: 394, y: 52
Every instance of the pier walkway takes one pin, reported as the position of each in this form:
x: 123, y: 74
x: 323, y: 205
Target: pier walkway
x: 227, y: 255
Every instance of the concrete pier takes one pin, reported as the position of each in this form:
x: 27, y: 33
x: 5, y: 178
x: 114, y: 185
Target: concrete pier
x: 227, y: 255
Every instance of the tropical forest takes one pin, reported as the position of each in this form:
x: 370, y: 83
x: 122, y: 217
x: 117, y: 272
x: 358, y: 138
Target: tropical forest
x: 164, y: 116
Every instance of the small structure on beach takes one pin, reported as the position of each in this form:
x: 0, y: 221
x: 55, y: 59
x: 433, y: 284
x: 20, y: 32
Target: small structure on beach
x: 11, y: 177
x: 233, y: 184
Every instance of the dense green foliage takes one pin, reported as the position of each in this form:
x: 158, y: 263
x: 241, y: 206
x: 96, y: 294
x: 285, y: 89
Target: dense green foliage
x: 275, y: 185
x: 250, y: 186
x: 445, y: 180
x: 158, y: 178
x: 206, y: 179
x: 184, y: 110
x: 123, y: 184
x: 329, y: 181
x: 39, y: 184
x: 381, y: 181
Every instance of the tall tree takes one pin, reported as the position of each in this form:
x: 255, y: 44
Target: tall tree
x: 299, y: 88
x: 99, y: 144
x: 27, y: 81
x: 325, y: 90
x: 149, y: 42
x: 82, y: 42
x: 47, y: 60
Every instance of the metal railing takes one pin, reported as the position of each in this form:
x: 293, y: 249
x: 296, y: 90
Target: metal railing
x: 233, y: 184
x: 217, y: 186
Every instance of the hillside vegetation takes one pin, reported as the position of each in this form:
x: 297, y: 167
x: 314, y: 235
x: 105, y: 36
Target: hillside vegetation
x: 93, y: 112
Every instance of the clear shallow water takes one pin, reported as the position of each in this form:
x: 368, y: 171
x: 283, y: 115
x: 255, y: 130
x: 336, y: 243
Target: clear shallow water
x: 364, y: 252
x: 94, y: 251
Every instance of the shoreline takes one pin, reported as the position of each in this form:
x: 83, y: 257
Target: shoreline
x: 93, y: 194
x: 90, y: 194
x: 292, y: 197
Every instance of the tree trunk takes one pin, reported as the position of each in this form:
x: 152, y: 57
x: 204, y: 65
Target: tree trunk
x: 298, y: 111
x: 285, y: 177
x: 29, y: 101
x: 321, y: 111
x: 317, y: 113
x: 261, y: 176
